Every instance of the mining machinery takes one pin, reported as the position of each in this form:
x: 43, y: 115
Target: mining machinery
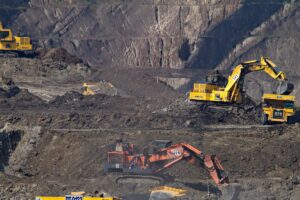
x: 218, y: 90
x: 14, y: 46
x: 160, y: 156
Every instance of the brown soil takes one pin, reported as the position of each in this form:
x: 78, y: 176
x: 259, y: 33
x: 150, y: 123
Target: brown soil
x: 67, y: 151
x: 58, y: 54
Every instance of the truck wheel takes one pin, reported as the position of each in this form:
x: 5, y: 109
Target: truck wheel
x: 290, y: 120
x: 264, y: 119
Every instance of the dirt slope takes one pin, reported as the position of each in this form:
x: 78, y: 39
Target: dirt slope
x: 53, y: 140
x: 261, y: 171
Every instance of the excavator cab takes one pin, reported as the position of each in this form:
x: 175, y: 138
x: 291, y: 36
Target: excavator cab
x: 212, y: 89
x: 277, y: 108
x: 124, y: 159
x: 216, y: 78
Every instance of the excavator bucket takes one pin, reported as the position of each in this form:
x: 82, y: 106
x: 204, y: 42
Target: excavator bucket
x: 285, y: 88
x: 230, y: 191
x: 214, y: 167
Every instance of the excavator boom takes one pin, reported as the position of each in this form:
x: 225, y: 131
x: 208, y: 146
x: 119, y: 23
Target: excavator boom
x: 231, y: 92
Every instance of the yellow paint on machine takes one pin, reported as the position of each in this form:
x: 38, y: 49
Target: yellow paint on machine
x: 174, y: 192
x: 83, y: 198
x: 279, y: 97
x: 278, y: 108
x: 231, y: 92
x: 9, y: 42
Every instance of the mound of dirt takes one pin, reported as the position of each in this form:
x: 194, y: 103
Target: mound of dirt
x: 12, y: 96
x: 8, y: 88
x: 59, y: 54
x: 25, y: 98
x: 70, y: 98
x: 76, y: 101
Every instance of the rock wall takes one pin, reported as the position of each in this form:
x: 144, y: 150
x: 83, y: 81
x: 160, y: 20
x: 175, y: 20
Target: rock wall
x: 277, y: 38
x: 162, y: 33
x: 151, y: 33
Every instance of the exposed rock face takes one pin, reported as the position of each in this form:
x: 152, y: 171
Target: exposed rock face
x: 201, y: 34
x: 151, y: 33
x: 9, y: 10
x: 163, y: 33
x: 277, y: 38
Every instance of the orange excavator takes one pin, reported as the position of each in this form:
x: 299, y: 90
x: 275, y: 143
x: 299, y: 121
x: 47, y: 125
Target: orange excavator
x: 161, y: 155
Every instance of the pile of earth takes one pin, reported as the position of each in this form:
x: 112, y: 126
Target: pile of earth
x: 58, y: 54
x: 44, y: 71
x: 73, y: 110
x: 76, y: 101
x: 8, y: 88
x: 12, y: 96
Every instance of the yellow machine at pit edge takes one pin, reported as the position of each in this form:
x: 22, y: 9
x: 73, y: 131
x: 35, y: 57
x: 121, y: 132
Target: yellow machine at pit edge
x: 231, y: 93
x: 13, y: 44
x: 276, y: 107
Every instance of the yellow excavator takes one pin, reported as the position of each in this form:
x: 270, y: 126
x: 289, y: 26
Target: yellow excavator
x: 219, y: 90
x: 14, y: 46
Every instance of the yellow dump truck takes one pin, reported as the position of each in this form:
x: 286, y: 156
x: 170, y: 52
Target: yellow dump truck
x: 277, y: 108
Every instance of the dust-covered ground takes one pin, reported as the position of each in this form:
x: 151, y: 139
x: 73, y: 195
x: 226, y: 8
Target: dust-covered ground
x: 54, y: 140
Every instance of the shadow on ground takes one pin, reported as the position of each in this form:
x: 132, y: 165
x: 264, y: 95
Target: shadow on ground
x: 296, y: 117
x: 8, y: 143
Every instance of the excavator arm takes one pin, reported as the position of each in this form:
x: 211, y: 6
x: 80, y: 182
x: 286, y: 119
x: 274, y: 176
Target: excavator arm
x: 183, y: 151
x: 5, y: 34
x: 236, y: 79
x: 267, y: 66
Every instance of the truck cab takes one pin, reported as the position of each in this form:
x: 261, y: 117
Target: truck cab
x: 277, y: 108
